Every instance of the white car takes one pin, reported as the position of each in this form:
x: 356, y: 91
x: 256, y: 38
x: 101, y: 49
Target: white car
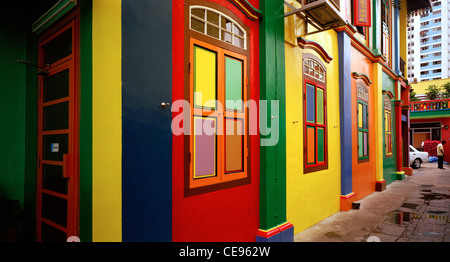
x: 416, y: 157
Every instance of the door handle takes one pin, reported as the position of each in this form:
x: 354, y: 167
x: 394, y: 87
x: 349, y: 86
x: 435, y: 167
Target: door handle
x: 67, y: 165
x: 164, y: 105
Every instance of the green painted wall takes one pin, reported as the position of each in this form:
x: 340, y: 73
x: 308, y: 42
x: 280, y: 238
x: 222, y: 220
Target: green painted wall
x: 86, y: 120
x: 430, y: 114
x: 389, y: 163
x: 12, y: 106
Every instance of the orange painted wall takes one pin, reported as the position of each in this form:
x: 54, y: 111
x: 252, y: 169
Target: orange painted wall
x: 363, y: 172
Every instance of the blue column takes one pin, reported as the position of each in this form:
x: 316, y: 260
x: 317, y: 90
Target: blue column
x: 146, y: 127
x: 345, y: 101
x: 396, y: 37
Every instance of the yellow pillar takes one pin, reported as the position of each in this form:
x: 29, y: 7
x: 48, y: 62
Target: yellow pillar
x: 379, y: 117
x: 107, y: 120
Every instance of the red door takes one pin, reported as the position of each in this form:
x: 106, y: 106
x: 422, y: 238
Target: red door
x: 57, y: 167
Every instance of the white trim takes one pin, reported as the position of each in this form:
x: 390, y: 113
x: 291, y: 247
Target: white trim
x: 204, y: 20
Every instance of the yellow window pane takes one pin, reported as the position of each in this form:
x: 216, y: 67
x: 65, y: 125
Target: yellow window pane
x: 360, y: 115
x: 205, y: 79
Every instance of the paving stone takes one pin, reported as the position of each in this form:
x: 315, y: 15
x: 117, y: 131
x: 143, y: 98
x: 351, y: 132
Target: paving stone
x: 377, y: 212
x: 391, y: 229
x: 428, y: 227
x: 421, y: 238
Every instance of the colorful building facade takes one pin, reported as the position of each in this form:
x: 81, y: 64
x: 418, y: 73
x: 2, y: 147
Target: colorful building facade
x: 199, y: 120
x: 429, y: 118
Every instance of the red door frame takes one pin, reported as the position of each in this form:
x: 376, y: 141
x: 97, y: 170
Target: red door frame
x: 71, y: 160
x: 315, y: 125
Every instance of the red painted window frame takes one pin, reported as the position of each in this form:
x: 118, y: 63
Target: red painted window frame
x: 317, y: 166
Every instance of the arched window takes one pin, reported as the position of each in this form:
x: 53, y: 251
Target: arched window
x: 314, y: 69
x: 363, y: 93
x: 215, y: 24
x: 217, y: 90
x: 315, y: 114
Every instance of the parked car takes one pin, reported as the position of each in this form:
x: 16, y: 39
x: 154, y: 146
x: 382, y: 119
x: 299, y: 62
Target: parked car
x: 416, y: 157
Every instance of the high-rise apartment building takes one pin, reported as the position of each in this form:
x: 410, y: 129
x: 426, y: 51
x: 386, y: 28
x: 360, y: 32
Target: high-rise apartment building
x: 428, y: 36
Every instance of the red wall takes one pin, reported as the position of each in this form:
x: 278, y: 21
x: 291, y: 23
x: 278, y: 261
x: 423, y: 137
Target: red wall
x: 228, y: 214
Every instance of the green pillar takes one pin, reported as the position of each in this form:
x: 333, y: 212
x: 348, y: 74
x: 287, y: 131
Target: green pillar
x: 273, y: 224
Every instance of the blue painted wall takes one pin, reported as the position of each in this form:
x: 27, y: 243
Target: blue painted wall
x: 147, y: 136
x: 345, y: 96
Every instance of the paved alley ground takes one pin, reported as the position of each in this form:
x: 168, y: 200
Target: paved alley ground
x: 415, y: 209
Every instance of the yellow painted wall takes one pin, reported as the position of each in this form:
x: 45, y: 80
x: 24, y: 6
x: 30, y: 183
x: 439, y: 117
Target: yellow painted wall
x: 420, y: 88
x: 107, y: 121
x: 313, y: 196
x: 403, y: 23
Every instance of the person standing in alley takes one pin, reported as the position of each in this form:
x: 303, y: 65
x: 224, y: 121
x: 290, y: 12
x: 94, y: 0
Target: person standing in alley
x: 440, y: 154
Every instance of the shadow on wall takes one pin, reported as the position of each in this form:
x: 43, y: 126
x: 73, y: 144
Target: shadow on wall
x: 11, y: 218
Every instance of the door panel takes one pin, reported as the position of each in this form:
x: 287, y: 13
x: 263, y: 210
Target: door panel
x: 57, y: 173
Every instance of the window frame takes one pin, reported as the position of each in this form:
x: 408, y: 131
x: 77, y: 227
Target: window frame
x: 318, y: 84
x: 363, y: 101
x: 222, y: 180
x: 219, y: 27
x: 388, y: 147
x: 386, y: 43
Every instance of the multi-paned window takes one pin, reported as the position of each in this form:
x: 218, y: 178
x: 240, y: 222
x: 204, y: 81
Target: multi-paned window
x: 387, y: 126
x: 215, y: 24
x: 386, y: 27
x: 315, y: 115
x: 218, y: 90
x: 363, y: 121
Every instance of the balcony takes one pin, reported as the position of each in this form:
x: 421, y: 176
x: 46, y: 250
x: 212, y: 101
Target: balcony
x: 430, y: 17
x: 430, y: 33
x: 430, y: 108
x: 336, y: 3
x: 431, y: 75
x: 322, y: 14
x: 431, y: 67
x: 430, y: 42
x: 431, y: 50
x: 430, y: 58
x: 430, y: 25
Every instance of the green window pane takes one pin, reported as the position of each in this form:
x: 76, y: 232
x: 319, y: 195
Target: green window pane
x: 233, y: 84
x: 360, y: 144
x: 320, y: 107
x: 205, y: 77
x: 320, y: 145
x: 310, y: 145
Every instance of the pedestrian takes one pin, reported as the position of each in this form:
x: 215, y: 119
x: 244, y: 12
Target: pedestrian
x: 440, y: 154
